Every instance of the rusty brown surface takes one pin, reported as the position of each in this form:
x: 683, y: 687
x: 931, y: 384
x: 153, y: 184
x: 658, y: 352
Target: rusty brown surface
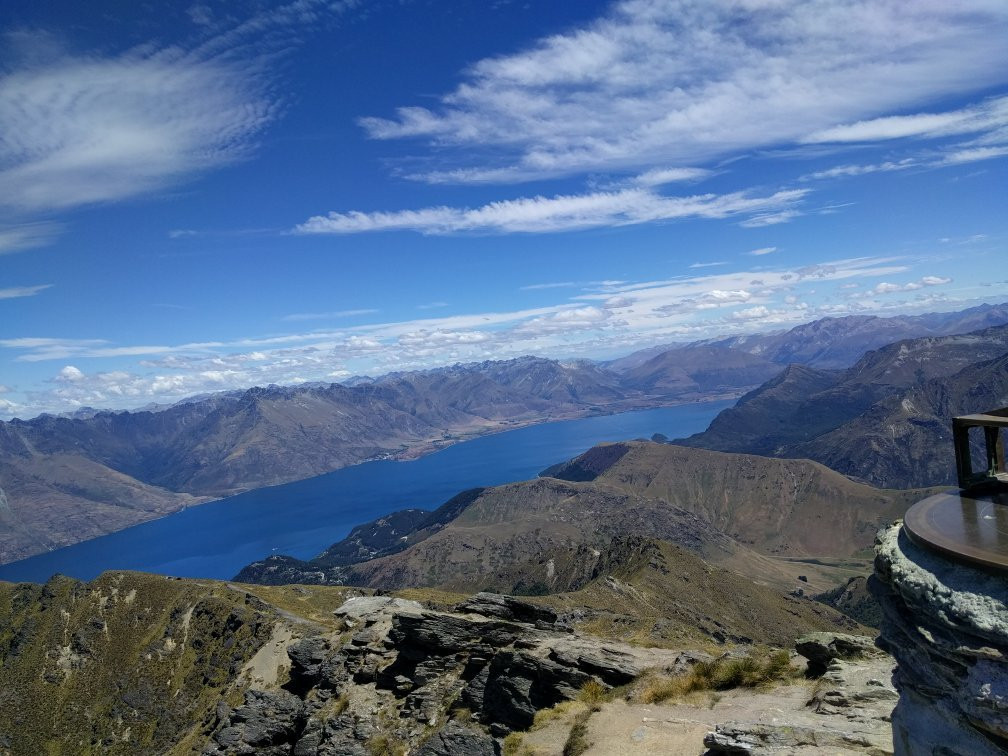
x: 967, y: 527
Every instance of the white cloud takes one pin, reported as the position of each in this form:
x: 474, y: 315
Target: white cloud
x: 557, y: 285
x: 656, y: 83
x: 612, y: 317
x: 886, y: 287
x: 86, y: 128
x: 551, y: 214
x: 26, y: 236
x: 82, y: 130
x: 16, y: 292
x: 769, y: 219
x: 761, y: 251
x: 977, y: 118
x: 662, y: 176
x: 844, y: 171
x: 974, y: 154
x: 707, y: 265
x: 751, y: 313
x: 335, y: 315
x: 70, y: 374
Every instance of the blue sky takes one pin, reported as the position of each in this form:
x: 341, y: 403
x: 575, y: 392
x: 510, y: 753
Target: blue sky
x: 219, y: 195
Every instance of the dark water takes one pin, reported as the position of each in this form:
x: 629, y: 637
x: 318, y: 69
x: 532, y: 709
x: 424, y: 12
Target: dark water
x: 301, y: 519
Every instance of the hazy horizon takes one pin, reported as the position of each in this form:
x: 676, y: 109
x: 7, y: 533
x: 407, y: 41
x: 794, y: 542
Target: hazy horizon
x: 222, y: 195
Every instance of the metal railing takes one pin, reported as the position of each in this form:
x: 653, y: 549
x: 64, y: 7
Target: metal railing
x: 992, y: 422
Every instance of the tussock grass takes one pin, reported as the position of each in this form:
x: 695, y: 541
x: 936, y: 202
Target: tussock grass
x: 544, y: 716
x: 514, y: 746
x: 593, y: 694
x: 760, y: 668
x: 383, y: 745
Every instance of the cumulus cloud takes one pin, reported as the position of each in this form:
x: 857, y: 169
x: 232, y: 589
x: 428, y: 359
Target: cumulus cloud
x: 609, y: 316
x: 885, y: 287
x: 676, y: 83
x: 552, y: 214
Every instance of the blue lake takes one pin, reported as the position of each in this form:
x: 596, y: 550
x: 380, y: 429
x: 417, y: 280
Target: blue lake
x: 216, y: 540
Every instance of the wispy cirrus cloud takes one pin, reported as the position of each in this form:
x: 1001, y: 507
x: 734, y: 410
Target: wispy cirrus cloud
x: 16, y: 292
x: 334, y: 315
x: 679, y: 83
x: 85, y: 128
x: 985, y: 117
x: 26, y: 236
x: 559, y: 213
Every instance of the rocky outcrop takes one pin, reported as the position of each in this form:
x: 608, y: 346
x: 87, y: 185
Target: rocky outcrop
x: 947, y: 625
x: 848, y: 712
x: 398, y: 673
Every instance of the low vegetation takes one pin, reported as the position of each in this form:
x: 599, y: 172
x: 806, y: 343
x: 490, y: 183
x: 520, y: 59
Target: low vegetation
x: 760, y: 668
x: 577, y: 741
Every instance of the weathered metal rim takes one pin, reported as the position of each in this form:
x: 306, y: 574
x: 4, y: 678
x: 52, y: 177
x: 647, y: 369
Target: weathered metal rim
x: 969, y: 528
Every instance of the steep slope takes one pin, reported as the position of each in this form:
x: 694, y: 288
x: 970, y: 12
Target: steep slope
x: 549, y: 534
x: 774, y: 415
x: 907, y: 439
x: 126, y: 664
x: 495, y: 540
x: 791, y: 507
x: 788, y: 416
x: 644, y: 584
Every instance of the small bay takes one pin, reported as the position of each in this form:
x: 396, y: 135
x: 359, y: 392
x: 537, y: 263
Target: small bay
x: 302, y: 518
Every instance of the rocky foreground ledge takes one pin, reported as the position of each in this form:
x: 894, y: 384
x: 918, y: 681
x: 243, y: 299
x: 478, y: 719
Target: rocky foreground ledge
x: 400, y: 678
x: 947, y: 626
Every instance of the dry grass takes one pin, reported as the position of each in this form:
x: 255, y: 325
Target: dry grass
x: 544, y: 716
x: 383, y: 745
x: 577, y: 741
x: 514, y: 746
x: 593, y: 694
x: 760, y: 668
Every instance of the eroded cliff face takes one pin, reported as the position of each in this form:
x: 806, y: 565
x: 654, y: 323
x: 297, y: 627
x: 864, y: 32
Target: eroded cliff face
x: 947, y: 626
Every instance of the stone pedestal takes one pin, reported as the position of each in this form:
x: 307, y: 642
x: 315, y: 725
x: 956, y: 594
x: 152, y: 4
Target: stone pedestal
x: 946, y: 624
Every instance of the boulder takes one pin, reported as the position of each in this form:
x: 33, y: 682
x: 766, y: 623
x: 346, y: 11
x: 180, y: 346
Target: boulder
x: 822, y: 648
x: 507, y: 608
x: 268, y: 724
x: 455, y: 739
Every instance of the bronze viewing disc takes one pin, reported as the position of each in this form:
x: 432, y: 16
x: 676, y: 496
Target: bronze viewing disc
x: 965, y: 526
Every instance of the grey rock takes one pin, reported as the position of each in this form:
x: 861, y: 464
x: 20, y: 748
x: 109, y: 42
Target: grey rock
x: 268, y: 723
x: 822, y: 648
x: 507, y: 608
x: 363, y: 608
x: 947, y: 625
x: 307, y: 657
x: 455, y: 739
x: 752, y: 739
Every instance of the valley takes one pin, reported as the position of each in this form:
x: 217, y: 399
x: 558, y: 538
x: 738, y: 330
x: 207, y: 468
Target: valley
x: 70, y: 479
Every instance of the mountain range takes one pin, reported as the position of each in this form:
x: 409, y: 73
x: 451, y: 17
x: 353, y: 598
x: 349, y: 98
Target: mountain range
x: 553, y: 534
x: 65, y: 479
x: 884, y: 420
